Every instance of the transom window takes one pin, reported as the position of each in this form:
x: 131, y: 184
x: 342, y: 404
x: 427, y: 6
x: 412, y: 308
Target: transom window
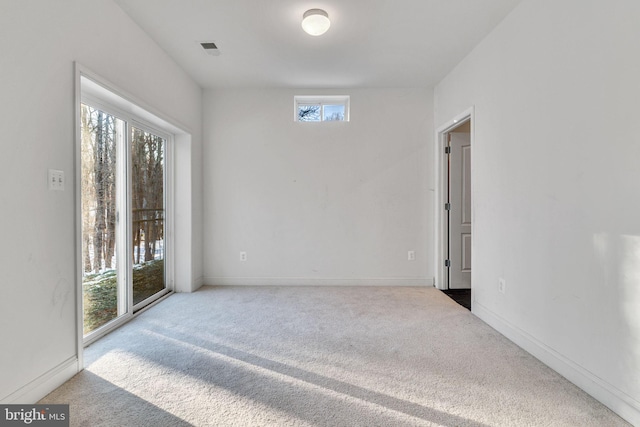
x: 321, y: 108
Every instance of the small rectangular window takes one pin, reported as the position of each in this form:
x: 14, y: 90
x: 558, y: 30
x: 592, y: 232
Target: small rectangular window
x: 321, y: 108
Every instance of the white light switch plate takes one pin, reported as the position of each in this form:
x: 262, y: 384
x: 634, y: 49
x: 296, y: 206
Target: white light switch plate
x: 56, y: 180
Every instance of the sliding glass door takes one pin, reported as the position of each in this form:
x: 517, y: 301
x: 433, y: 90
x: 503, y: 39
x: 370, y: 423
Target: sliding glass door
x: 123, y: 205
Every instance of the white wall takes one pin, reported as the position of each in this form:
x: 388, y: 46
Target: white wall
x: 310, y: 203
x: 39, y: 42
x: 556, y: 180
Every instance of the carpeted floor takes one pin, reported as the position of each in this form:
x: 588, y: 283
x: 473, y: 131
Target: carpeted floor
x: 310, y: 356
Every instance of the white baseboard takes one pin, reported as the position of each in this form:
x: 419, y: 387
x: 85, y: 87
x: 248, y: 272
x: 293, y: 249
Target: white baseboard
x: 616, y: 400
x: 44, y: 384
x: 312, y: 281
x: 198, y: 283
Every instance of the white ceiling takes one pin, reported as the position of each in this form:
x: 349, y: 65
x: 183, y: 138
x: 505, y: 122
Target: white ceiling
x: 371, y: 43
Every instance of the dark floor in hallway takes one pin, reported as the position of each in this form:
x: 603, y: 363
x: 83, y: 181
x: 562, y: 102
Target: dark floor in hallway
x: 461, y: 296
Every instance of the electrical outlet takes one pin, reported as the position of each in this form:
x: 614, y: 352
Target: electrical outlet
x: 56, y: 180
x: 411, y: 255
x: 502, y: 285
x: 243, y: 256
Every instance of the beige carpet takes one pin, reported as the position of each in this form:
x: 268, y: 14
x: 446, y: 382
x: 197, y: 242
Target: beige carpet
x: 307, y: 356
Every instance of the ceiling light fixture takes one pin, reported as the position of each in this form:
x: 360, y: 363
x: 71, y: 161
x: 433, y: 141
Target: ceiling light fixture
x: 315, y: 22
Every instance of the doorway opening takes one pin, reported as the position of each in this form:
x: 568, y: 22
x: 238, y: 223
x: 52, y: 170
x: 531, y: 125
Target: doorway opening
x: 125, y: 190
x: 455, y: 209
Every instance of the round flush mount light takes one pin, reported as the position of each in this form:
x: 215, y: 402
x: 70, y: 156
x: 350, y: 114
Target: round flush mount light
x: 315, y: 22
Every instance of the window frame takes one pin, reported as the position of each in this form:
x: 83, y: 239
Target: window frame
x: 322, y: 101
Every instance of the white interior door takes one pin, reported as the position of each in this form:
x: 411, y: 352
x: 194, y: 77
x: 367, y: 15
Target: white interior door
x: 460, y: 210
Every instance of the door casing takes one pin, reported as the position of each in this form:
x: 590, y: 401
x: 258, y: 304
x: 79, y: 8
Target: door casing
x: 441, y: 169
x: 132, y: 113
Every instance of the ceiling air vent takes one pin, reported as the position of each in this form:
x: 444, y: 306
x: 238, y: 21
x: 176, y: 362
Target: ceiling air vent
x: 210, y: 48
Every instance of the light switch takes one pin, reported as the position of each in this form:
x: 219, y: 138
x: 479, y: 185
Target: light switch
x: 56, y: 180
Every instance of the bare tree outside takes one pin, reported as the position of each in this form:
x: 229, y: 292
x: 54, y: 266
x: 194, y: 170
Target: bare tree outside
x: 147, y: 177
x: 99, y: 189
x: 309, y: 113
x: 334, y: 117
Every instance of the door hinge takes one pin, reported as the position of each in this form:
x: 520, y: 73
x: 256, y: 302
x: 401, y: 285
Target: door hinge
x: 447, y: 149
x: 447, y: 263
x: 447, y: 206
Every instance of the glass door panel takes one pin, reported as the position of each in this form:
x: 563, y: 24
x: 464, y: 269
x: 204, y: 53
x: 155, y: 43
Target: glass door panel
x: 147, y: 214
x: 103, y: 286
